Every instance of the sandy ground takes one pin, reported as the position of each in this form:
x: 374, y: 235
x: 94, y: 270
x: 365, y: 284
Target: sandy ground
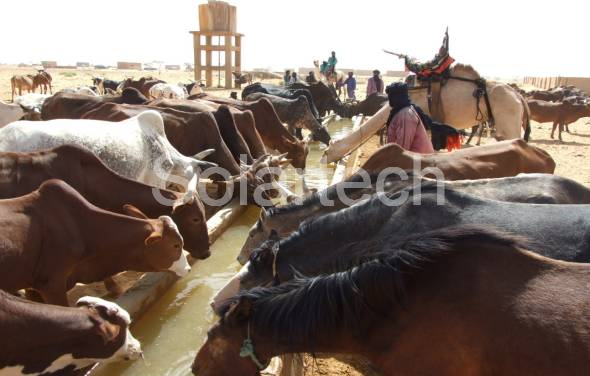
x: 569, y: 156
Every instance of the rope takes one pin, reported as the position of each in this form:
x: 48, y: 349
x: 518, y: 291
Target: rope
x: 247, y: 350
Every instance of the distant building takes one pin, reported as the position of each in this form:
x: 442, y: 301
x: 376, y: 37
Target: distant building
x: 83, y: 64
x: 49, y: 64
x: 128, y: 65
x: 172, y: 67
x: 396, y: 73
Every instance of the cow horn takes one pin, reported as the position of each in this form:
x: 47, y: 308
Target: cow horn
x: 204, y: 154
x: 285, y: 162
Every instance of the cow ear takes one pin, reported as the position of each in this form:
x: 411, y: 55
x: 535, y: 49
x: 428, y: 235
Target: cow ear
x: 107, y: 331
x: 239, y: 312
x: 154, y: 237
x: 132, y: 211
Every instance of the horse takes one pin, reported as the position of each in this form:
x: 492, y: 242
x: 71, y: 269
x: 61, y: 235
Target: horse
x: 457, y: 301
x: 280, y: 221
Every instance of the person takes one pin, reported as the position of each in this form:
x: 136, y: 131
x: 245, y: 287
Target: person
x: 310, y: 79
x: 287, y: 77
x: 405, y: 125
x: 294, y: 79
x: 331, y: 64
x: 375, y: 84
x: 350, y: 83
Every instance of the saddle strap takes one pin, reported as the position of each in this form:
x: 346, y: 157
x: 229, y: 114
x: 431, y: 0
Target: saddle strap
x: 480, y: 91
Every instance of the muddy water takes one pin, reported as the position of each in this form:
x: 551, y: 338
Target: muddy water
x: 173, y: 330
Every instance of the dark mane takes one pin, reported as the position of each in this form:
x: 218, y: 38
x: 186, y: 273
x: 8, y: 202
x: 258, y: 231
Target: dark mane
x: 331, y: 192
x: 302, y: 310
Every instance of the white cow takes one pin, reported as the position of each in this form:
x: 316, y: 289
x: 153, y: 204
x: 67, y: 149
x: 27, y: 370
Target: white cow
x: 10, y: 112
x: 163, y: 90
x: 136, y: 148
x: 85, y: 90
x: 31, y: 104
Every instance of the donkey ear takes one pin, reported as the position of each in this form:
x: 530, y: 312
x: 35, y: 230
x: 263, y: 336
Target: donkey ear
x: 239, y: 312
x: 132, y: 211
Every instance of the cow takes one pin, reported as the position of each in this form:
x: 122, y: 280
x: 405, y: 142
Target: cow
x: 73, y: 106
x: 103, y: 84
x: 163, y: 90
x: 85, y: 245
x: 242, y: 78
x: 32, y: 104
x: 136, y: 148
x: 192, y: 133
x: 22, y: 173
x: 560, y: 114
x: 500, y: 159
x: 296, y: 113
x: 10, y: 112
x: 144, y: 84
x: 82, y: 90
x: 43, y: 339
x: 225, y: 122
x: 42, y: 80
x: 246, y: 125
x: 20, y: 83
x: 269, y: 126
x: 193, y: 88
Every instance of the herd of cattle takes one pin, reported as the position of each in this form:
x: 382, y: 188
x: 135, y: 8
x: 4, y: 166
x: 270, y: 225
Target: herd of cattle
x: 100, y: 184
x: 561, y: 106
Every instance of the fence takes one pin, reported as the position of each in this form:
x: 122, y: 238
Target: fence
x: 545, y: 83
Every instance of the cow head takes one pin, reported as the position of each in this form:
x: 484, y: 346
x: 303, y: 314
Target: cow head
x: 189, y: 214
x: 109, y: 338
x: 163, y: 246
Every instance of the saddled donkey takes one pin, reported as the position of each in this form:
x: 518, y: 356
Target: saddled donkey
x: 460, y: 108
x: 280, y: 221
x: 414, y: 308
x: 43, y: 339
x: 20, y: 83
x: 136, y: 148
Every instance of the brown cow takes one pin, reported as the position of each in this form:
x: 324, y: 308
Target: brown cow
x: 22, y: 173
x: 560, y: 114
x: 144, y: 84
x: 225, y: 121
x: 42, y: 80
x: 246, y: 124
x: 273, y: 132
x: 46, y: 339
x: 54, y: 238
x: 73, y: 106
x: 500, y: 159
x: 21, y: 83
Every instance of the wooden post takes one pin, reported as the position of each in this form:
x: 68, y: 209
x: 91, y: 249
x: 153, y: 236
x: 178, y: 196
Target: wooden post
x: 209, y: 62
x: 228, y: 61
x: 238, y: 62
x: 197, y: 50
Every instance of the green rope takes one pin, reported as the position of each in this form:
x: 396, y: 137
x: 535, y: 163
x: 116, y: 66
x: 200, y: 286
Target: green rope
x: 247, y: 350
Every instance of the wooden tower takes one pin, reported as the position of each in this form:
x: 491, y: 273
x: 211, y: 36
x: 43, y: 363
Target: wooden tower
x: 217, y: 24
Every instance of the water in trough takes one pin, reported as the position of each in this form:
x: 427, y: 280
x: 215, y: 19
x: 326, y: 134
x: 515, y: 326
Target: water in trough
x: 176, y: 326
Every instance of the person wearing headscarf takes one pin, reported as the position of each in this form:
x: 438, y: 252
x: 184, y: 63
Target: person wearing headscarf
x: 375, y: 84
x: 405, y: 125
x: 287, y: 77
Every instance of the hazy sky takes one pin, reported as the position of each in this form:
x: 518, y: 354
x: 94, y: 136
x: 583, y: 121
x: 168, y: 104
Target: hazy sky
x: 499, y: 38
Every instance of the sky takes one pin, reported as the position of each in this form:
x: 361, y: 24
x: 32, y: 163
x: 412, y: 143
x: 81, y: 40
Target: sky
x: 501, y: 38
